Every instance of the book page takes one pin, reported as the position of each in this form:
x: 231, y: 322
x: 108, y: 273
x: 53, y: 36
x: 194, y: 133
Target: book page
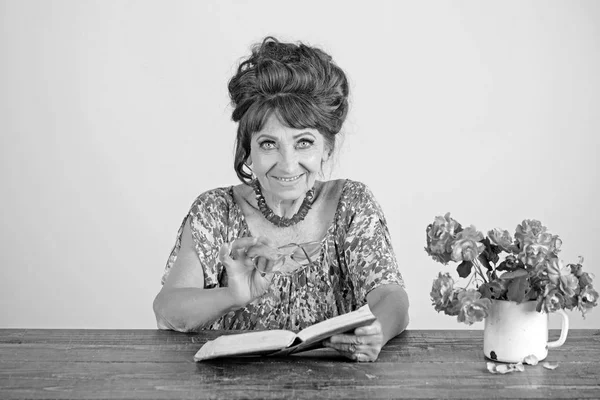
x: 250, y: 343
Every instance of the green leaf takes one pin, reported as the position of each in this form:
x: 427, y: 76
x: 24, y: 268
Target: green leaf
x: 511, y: 263
x: 464, y: 268
x: 490, y: 253
x: 514, y: 274
x: 493, y: 290
x: 485, y: 262
x: 532, y: 294
x: 518, y: 289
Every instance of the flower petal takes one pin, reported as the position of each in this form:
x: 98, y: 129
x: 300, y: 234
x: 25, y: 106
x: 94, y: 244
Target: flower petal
x: 503, y: 369
x: 531, y: 360
x: 549, y: 365
x: 519, y: 367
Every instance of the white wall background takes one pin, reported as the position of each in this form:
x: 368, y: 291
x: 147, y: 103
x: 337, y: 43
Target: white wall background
x: 114, y: 116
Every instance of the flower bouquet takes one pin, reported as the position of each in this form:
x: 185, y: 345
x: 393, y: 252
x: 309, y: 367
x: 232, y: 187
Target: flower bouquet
x: 499, y: 267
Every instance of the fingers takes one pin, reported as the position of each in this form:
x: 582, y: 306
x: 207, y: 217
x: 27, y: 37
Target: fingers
x: 344, y: 341
x: 253, y: 253
x: 263, y: 250
x: 373, y: 329
x: 349, y: 344
x: 239, y: 247
x: 356, y: 352
x: 262, y: 256
x: 244, y: 242
x: 347, y: 349
x: 364, y: 345
x: 266, y: 240
x: 363, y: 357
x: 261, y: 264
x: 224, y: 253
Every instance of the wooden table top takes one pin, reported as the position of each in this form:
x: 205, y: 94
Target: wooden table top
x: 152, y: 364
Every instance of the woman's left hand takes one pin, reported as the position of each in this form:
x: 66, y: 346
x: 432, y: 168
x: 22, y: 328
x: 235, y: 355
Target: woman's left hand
x: 363, y: 345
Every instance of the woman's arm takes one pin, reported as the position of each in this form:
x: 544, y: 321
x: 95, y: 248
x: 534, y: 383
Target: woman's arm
x: 375, y: 277
x: 389, y: 303
x: 183, y: 304
x: 185, y: 309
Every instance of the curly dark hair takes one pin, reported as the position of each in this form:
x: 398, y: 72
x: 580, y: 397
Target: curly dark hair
x: 301, y: 84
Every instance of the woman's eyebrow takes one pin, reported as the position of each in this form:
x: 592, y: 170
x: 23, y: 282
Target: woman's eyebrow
x: 296, y: 136
x: 265, y: 136
x: 303, y: 133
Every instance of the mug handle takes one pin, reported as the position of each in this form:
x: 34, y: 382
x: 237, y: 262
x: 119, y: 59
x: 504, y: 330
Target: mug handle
x: 563, y: 331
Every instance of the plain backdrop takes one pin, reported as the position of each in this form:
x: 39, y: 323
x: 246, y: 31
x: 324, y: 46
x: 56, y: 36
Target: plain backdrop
x: 114, y: 116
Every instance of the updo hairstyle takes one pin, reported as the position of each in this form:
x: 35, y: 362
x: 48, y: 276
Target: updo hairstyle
x: 301, y: 84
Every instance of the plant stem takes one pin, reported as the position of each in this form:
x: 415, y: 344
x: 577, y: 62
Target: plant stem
x: 478, y: 269
x: 470, y: 280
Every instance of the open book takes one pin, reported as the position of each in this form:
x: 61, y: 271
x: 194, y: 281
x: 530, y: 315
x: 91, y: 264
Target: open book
x: 282, y: 342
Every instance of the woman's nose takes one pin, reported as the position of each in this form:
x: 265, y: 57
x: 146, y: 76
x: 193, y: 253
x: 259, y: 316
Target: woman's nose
x: 288, y: 160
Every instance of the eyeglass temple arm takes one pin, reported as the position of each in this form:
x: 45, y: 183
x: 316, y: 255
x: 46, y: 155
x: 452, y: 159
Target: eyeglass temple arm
x: 306, y: 254
x: 302, y: 248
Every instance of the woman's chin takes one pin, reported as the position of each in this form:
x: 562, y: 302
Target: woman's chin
x: 288, y: 192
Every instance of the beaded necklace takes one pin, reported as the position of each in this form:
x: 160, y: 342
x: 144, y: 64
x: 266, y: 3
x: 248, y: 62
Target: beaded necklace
x: 276, y: 219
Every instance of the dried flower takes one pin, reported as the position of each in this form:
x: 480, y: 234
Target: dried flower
x: 505, y: 368
x: 528, y: 230
x: 568, y: 283
x: 441, y: 291
x: 502, y: 239
x: 473, y: 308
x: 529, y: 270
x: 440, y: 235
x: 553, y: 301
x: 585, y: 279
x: 577, y: 269
x: 467, y: 245
x: 587, y: 299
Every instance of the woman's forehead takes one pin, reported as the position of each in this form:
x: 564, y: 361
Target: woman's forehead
x: 274, y: 126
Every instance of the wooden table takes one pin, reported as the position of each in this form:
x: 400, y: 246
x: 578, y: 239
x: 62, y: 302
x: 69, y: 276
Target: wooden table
x: 152, y: 364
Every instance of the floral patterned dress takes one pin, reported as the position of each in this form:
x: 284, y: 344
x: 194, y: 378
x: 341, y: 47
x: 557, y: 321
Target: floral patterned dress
x: 356, y: 256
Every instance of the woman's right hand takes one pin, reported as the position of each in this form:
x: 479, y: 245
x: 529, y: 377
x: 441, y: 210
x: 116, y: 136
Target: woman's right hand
x: 240, y: 258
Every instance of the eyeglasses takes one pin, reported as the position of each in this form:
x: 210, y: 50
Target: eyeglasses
x: 294, y: 257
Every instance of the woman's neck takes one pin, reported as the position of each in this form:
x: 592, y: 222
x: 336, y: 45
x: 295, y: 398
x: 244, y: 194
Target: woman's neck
x: 282, y: 212
x: 314, y: 227
x: 283, y: 208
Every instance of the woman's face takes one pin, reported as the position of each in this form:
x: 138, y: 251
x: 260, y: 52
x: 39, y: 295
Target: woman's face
x: 286, y: 161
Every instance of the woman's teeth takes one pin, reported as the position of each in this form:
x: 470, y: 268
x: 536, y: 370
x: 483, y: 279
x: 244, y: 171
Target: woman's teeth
x: 293, y: 178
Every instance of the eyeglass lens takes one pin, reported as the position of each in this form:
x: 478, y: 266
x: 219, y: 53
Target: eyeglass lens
x: 295, y: 257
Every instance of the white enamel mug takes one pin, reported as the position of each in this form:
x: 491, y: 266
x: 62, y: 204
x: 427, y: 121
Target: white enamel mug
x: 514, y: 331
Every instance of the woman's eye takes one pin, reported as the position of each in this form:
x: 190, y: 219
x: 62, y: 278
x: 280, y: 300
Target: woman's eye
x: 304, y: 143
x: 267, y: 145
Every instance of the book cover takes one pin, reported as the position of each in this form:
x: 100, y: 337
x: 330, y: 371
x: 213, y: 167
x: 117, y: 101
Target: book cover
x: 283, y: 342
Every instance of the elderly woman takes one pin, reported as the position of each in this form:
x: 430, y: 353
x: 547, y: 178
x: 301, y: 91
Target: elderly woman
x: 284, y: 250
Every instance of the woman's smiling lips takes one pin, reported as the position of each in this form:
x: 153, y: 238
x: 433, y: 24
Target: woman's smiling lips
x: 284, y: 179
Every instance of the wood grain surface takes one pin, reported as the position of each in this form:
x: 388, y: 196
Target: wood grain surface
x: 152, y: 364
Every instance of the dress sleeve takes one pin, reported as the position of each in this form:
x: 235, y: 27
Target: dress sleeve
x: 368, y: 251
x: 207, y: 216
